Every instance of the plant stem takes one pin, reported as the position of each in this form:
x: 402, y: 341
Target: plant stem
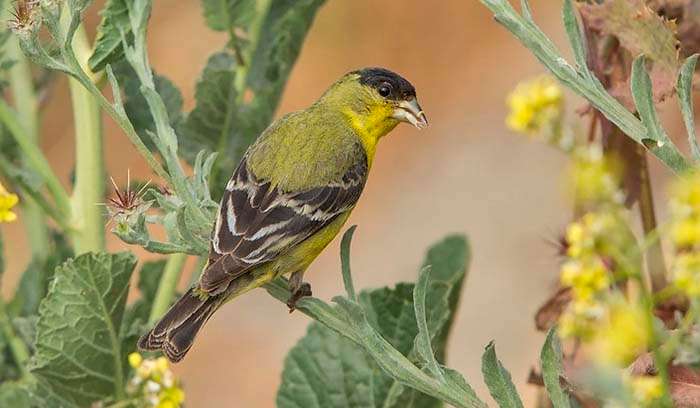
x: 86, y: 214
x: 35, y: 158
x: 19, y: 350
x: 167, y: 285
x: 655, y: 256
x: 27, y: 107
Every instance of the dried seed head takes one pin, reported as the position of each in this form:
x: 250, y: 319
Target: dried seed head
x: 24, y: 15
x: 126, y: 201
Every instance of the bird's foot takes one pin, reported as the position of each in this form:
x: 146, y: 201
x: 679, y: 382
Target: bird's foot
x: 302, y: 291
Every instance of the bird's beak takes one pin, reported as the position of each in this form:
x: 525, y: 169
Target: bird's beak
x: 410, y: 112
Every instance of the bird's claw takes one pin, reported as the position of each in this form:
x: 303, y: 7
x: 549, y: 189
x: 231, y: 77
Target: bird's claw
x: 303, y: 291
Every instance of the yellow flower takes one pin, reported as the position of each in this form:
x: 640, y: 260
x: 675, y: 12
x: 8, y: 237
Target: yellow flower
x: 622, y: 335
x: 7, y: 202
x: 646, y: 390
x: 135, y: 360
x: 534, y: 105
x: 686, y: 273
x: 586, y: 278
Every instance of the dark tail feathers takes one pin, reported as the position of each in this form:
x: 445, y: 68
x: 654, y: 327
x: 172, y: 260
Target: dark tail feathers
x: 175, y: 332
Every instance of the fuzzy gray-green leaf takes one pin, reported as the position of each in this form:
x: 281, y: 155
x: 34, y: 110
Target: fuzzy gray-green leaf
x: 78, y: 350
x: 345, y: 262
x: 423, y: 341
x: 573, y: 31
x: 498, y: 380
x: 643, y: 100
x: 550, y: 358
x: 137, y: 109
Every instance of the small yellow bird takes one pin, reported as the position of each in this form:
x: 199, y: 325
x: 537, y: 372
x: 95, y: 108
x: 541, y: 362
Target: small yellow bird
x: 293, y: 190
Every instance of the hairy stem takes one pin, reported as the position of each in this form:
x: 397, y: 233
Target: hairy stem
x: 167, y: 286
x: 27, y: 107
x: 86, y: 214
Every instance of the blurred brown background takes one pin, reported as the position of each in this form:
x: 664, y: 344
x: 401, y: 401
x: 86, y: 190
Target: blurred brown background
x: 466, y: 173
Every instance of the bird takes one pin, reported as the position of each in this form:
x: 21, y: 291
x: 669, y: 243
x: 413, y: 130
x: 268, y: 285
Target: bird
x: 289, y: 197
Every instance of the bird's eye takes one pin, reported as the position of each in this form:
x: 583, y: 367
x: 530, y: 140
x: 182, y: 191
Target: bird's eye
x: 384, y: 90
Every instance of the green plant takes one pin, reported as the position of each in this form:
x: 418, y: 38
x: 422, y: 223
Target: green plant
x: 68, y: 335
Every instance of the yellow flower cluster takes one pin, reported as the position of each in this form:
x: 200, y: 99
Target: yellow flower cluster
x: 7, y: 202
x: 154, y: 382
x: 586, y: 274
x: 596, y: 245
x: 685, y: 233
x: 594, y: 178
x: 535, y: 105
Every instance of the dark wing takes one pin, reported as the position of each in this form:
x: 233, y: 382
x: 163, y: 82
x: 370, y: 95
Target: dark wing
x: 257, y: 221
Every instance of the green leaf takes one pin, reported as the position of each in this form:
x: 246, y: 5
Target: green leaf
x: 15, y: 395
x: 685, y: 98
x: 498, y: 380
x: 225, y: 15
x: 108, y: 44
x: 35, y: 280
x: 78, y: 352
x: 573, y: 31
x: 345, y: 262
x: 215, y: 115
x: 656, y: 137
x: 326, y: 369
x: 550, y: 358
x: 137, y: 109
x: 423, y: 342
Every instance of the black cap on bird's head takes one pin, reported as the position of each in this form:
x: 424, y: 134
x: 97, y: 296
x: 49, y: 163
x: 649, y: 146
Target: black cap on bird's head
x: 389, y: 84
x: 396, y: 89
